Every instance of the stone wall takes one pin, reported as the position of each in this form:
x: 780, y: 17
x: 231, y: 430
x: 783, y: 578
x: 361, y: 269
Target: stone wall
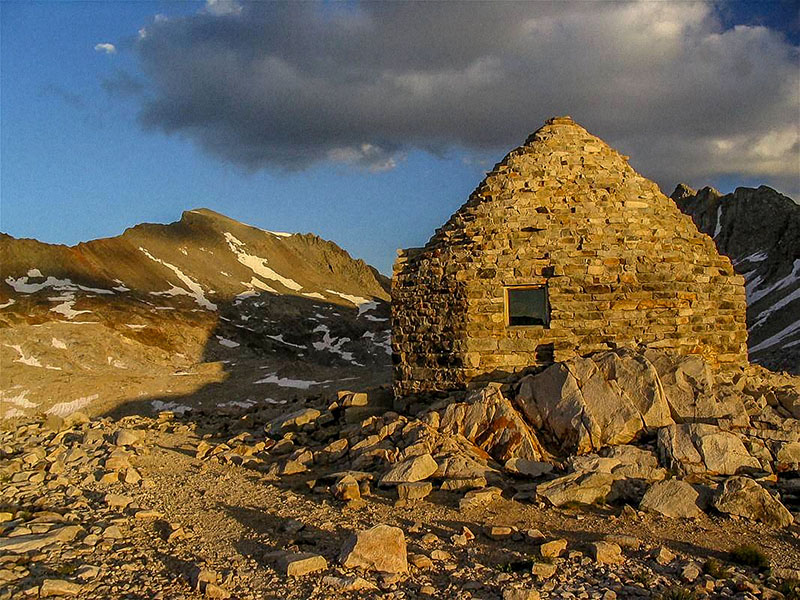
x: 622, y: 265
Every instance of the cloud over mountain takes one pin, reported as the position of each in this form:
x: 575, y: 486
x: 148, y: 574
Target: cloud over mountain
x: 287, y: 85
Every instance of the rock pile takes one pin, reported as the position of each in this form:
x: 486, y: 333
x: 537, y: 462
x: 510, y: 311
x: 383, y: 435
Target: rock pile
x: 455, y: 498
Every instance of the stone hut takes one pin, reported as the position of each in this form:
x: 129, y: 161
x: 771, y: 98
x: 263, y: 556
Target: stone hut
x: 562, y: 250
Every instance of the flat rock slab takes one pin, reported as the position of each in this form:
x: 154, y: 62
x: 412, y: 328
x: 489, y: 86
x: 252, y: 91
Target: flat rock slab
x: 411, y: 470
x: 381, y: 548
x: 302, y: 563
x: 672, y: 498
x: 29, y: 543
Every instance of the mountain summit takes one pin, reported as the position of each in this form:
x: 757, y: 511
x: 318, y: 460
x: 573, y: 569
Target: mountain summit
x: 115, y: 318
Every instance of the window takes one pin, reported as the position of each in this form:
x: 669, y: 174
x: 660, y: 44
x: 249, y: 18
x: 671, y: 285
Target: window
x: 527, y: 306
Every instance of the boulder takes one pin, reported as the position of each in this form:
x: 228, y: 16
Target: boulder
x: 528, y: 468
x: 491, y: 422
x: 411, y: 470
x: 588, y: 403
x: 607, y: 553
x: 381, y: 548
x: 553, y: 549
x: 580, y: 488
x: 744, y: 497
x: 701, y: 448
x: 293, y: 420
x: 688, y: 384
x: 635, y: 463
x: 672, y: 498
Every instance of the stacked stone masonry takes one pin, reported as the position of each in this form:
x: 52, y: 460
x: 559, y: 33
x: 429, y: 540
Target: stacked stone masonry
x: 623, y: 267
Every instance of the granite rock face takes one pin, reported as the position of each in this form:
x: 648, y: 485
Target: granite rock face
x: 621, y: 266
x: 588, y: 403
x: 759, y: 230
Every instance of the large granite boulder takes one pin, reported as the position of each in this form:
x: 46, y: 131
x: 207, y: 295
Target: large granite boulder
x: 744, y: 497
x: 700, y: 448
x: 491, y: 422
x: 589, y: 403
x: 672, y: 498
x: 688, y: 384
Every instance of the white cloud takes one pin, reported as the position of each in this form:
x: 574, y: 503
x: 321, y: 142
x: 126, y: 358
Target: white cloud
x: 106, y: 48
x: 223, y: 7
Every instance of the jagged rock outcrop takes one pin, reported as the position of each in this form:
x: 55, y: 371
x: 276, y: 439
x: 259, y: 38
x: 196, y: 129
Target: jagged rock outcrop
x: 759, y: 229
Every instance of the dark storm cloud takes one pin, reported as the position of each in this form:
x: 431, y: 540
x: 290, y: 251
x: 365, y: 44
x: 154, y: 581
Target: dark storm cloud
x: 288, y: 85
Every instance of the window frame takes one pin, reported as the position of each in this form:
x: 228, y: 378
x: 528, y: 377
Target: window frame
x: 507, y: 305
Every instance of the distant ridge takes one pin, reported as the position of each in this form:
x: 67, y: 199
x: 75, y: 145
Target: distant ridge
x: 759, y: 229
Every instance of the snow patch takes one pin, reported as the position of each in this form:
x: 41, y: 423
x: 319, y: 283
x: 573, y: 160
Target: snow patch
x: 20, y: 400
x: 754, y: 294
x: 226, y: 342
x: 159, y: 406
x: 299, y: 384
x: 279, y: 338
x: 56, y: 343
x: 34, y: 273
x: 257, y: 264
x: 63, y: 409
x: 238, y: 404
x: 66, y: 308
x: 7, y: 304
x: 31, y: 361
x: 331, y: 344
x: 758, y: 256
x: 718, y: 228
x: 314, y: 295
x: 282, y: 234
x: 135, y: 326
x: 777, y: 338
x: 357, y: 300
x: 196, y: 290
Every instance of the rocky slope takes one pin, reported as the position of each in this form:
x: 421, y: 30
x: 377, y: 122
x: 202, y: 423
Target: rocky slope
x: 206, y: 309
x: 673, y: 483
x: 759, y: 229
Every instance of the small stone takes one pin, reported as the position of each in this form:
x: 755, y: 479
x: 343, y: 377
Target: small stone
x: 500, y: 532
x: 520, y: 594
x: 59, y: 587
x: 478, y: 498
x: 534, y: 535
x: 420, y: 561
x: 117, y: 500
x: 543, y: 570
x: 663, y: 555
x: 348, y: 584
x: 127, y: 437
x: 299, y: 564
x: 346, y: 488
x: 690, y: 572
x: 148, y: 514
x: 607, y: 553
x: 112, y: 532
x: 410, y: 492
x: 212, y: 590
x: 553, y: 549
x: 411, y: 470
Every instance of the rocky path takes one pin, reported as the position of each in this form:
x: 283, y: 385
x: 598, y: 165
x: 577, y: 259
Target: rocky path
x: 168, y: 508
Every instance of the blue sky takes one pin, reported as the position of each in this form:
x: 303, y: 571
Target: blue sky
x: 378, y: 163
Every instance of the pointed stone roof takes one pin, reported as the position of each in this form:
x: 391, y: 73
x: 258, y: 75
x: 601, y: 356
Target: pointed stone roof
x: 623, y: 267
